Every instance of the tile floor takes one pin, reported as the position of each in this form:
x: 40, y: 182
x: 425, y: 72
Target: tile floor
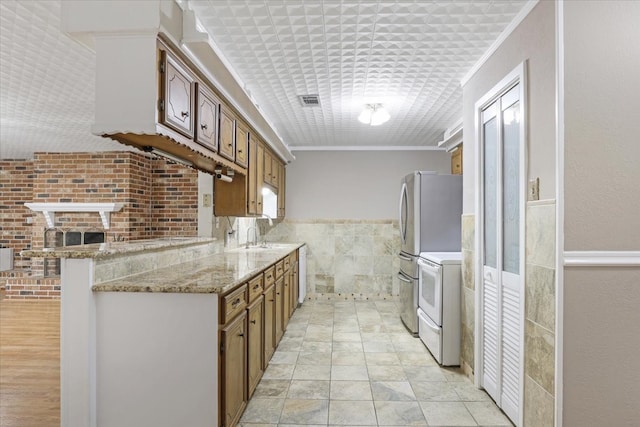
x: 352, y: 363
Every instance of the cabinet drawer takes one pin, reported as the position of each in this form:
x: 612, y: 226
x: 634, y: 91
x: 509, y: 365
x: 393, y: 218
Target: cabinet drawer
x: 287, y: 263
x: 233, y: 303
x: 269, y: 276
x: 255, y: 288
x: 279, y: 268
x: 293, y: 257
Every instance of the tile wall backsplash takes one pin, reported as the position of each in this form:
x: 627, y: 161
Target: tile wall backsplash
x: 468, y: 293
x: 355, y: 258
x: 540, y: 314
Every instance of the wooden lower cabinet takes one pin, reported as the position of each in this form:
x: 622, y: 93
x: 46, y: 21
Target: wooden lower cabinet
x: 254, y: 342
x: 233, y: 363
x: 252, y: 324
x: 286, y: 300
x: 269, y: 324
x: 279, y: 308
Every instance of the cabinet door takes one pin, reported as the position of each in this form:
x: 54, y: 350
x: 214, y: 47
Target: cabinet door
x: 259, y: 177
x: 296, y: 287
x: 286, y: 300
x: 281, y: 191
x: 456, y: 161
x: 279, y: 308
x: 207, y: 119
x: 242, y: 143
x: 252, y: 190
x: 269, y: 324
x: 176, y: 104
x: 267, y: 168
x: 275, y: 171
x: 255, y: 340
x: 227, y: 140
x: 233, y: 370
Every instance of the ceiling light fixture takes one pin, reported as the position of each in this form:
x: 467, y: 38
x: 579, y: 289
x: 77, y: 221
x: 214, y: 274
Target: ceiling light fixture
x: 374, y: 115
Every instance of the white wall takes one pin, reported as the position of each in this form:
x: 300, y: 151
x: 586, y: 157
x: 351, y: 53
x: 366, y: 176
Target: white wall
x: 601, y: 376
x: 353, y: 184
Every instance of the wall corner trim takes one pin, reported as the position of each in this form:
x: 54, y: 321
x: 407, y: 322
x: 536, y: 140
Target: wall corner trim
x: 602, y: 258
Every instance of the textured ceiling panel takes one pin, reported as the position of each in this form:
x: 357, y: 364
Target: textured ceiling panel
x: 46, y: 84
x: 408, y: 55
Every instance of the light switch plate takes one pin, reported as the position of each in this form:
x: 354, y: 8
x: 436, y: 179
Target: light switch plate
x: 534, y: 189
x: 206, y: 200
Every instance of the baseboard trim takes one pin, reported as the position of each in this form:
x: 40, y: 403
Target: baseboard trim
x: 602, y: 258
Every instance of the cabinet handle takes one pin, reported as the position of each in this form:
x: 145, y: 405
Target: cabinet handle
x: 271, y: 300
x: 239, y: 151
x: 203, y: 126
x: 235, y: 303
x: 241, y: 335
x: 256, y: 287
x: 185, y: 114
x: 253, y: 322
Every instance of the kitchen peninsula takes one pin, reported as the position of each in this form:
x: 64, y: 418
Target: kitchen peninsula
x: 166, y: 332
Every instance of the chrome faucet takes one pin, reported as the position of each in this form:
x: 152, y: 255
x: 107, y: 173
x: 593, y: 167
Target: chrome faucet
x: 255, y: 236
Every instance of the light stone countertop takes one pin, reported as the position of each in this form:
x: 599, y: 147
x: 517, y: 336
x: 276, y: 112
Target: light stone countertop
x: 110, y: 249
x: 217, y: 273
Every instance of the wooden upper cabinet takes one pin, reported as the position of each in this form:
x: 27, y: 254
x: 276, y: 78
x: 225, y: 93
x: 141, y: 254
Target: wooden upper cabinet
x: 227, y: 140
x: 267, y: 175
x: 207, y: 118
x: 456, y: 161
x: 275, y: 171
x: 177, y: 95
x: 252, y: 177
x: 281, y: 190
x: 259, y: 176
x: 242, y: 143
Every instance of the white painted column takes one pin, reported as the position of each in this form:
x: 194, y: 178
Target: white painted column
x: 77, y: 344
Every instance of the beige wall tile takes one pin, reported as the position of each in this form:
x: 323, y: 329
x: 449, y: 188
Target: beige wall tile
x: 468, y: 269
x: 539, y: 359
x: 468, y: 230
x: 538, y: 405
x: 541, y: 234
x: 540, y: 296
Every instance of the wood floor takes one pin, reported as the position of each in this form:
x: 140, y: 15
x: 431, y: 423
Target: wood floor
x: 29, y: 363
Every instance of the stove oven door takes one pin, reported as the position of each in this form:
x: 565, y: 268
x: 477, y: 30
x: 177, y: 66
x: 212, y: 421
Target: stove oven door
x: 430, y: 290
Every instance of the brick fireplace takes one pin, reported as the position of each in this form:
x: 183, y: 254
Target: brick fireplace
x: 159, y: 198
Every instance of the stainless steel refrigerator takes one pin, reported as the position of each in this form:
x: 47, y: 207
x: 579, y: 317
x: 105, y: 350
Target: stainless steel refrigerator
x: 430, y: 217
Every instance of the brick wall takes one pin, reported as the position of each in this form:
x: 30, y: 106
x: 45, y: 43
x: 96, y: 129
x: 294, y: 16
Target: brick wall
x: 174, y: 211
x: 160, y: 199
x: 16, y: 186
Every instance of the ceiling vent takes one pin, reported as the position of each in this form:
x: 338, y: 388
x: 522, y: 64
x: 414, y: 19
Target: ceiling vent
x: 309, y: 100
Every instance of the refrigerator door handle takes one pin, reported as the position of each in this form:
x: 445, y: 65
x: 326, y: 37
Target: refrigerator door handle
x: 404, y: 257
x: 404, y: 278
x: 403, y: 213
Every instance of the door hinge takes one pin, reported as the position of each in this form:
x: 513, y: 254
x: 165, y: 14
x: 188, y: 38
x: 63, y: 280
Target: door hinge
x: 221, y: 347
x: 161, y: 105
x: 162, y: 67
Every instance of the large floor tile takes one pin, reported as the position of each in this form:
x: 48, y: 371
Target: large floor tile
x: 349, y: 373
x: 424, y: 373
x: 305, y: 411
x: 262, y: 411
x: 392, y: 390
x: 347, y: 358
x: 349, y: 413
x: 284, y: 357
x: 386, y: 373
x: 382, y: 359
x: 399, y: 414
x: 271, y: 389
x: 447, y: 414
x: 314, y: 358
x: 312, y: 372
x: 306, y: 389
x: 278, y: 372
x: 436, y: 391
x: 486, y: 413
x: 351, y: 390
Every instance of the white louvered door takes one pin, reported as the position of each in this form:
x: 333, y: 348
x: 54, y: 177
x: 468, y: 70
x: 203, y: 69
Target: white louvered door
x: 502, y: 284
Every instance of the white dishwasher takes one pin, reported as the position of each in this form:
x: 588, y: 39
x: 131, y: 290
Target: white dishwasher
x: 302, y: 274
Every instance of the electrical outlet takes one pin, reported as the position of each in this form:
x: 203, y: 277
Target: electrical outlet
x: 217, y: 221
x: 206, y: 200
x: 534, y: 189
